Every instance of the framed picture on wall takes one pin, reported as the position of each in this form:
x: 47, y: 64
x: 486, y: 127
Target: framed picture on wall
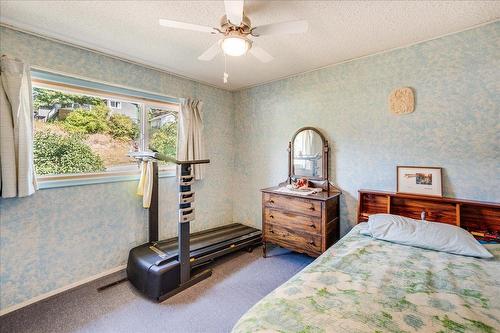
x: 420, y: 180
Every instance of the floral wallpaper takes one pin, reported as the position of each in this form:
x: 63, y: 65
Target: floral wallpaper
x: 456, y: 123
x: 64, y: 235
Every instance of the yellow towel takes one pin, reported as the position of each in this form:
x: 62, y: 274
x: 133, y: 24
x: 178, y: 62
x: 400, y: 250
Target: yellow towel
x: 145, y: 187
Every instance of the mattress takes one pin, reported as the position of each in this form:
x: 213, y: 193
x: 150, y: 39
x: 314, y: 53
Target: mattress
x: 366, y: 285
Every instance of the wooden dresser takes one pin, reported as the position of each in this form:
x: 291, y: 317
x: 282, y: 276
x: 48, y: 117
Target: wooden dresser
x: 306, y: 224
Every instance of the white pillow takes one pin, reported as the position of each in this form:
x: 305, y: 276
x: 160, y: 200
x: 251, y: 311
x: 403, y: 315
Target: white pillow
x: 428, y: 235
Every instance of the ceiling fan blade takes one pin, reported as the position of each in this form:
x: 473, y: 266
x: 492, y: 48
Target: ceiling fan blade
x: 261, y: 54
x: 292, y: 27
x: 186, y: 26
x: 234, y: 11
x: 210, y: 53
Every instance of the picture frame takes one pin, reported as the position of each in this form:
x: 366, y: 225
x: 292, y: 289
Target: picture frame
x: 419, y: 180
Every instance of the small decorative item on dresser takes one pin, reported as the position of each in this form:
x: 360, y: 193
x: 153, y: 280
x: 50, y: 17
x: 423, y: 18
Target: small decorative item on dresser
x: 402, y: 101
x: 420, y: 180
x: 301, y: 183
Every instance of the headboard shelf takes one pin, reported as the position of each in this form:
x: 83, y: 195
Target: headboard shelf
x: 468, y: 214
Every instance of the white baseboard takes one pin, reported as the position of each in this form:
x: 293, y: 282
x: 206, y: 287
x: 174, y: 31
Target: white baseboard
x: 60, y: 290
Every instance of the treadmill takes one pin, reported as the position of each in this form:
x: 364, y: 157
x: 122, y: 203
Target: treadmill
x: 162, y: 268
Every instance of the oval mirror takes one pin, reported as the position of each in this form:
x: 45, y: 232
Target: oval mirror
x: 307, y: 154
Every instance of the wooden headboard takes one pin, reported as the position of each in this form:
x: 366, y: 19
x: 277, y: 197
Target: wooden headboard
x: 480, y: 218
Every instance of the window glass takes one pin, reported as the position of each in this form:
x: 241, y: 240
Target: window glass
x: 115, y: 104
x: 80, y: 133
x: 162, y: 130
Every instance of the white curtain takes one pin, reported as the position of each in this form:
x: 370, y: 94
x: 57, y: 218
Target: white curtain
x: 190, y: 144
x: 17, y: 172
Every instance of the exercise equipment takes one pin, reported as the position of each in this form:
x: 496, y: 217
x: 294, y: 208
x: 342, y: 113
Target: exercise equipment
x: 161, y: 269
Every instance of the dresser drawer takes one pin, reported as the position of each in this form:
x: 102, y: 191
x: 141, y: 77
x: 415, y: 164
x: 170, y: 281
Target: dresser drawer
x: 296, y: 222
x: 291, y: 239
x: 293, y: 204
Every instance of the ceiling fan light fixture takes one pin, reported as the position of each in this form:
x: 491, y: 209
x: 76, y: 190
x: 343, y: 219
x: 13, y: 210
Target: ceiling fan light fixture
x: 235, y: 46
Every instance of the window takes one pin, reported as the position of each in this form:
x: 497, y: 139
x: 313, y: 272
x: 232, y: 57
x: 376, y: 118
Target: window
x: 81, y: 131
x: 115, y: 104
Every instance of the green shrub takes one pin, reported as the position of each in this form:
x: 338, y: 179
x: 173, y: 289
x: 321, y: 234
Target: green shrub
x: 164, y: 139
x: 96, y: 120
x: 57, y: 154
x: 88, y: 121
x: 121, y: 126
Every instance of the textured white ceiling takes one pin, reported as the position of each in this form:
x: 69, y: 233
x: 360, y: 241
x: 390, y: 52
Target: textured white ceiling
x: 338, y: 31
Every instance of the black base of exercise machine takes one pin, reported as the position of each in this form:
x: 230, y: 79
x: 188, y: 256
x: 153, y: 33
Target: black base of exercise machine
x: 154, y: 269
x: 161, y: 269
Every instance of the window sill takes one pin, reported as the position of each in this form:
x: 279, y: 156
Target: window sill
x: 56, y: 181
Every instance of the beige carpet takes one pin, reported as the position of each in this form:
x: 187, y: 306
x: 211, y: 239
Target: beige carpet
x: 214, y: 305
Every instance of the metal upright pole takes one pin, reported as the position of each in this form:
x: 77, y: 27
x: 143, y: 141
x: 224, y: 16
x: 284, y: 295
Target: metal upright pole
x: 153, y: 208
x: 186, y: 215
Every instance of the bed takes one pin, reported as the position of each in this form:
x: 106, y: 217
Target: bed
x: 366, y: 285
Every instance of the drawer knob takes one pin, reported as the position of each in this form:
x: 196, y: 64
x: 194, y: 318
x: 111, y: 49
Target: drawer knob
x: 311, y: 208
x: 271, y: 231
x: 312, y: 226
x: 311, y: 242
x: 271, y: 216
x: 271, y: 201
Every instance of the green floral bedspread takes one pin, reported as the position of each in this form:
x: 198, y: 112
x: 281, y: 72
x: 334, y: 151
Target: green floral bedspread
x: 367, y: 285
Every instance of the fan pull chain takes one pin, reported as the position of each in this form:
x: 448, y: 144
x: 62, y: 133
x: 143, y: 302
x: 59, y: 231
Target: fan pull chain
x: 226, y: 75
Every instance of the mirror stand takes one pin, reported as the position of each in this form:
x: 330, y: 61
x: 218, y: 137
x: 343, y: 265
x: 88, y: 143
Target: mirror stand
x: 319, y: 174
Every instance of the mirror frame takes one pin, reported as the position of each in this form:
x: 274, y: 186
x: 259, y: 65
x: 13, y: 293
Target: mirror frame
x: 291, y: 171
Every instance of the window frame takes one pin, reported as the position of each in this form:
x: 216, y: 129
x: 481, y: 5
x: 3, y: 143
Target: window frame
x: 64, y: 180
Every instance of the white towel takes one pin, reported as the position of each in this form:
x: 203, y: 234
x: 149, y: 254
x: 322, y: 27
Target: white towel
x: 145, y: 187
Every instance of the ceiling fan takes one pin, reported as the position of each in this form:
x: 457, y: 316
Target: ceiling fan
x: 236, y: 30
